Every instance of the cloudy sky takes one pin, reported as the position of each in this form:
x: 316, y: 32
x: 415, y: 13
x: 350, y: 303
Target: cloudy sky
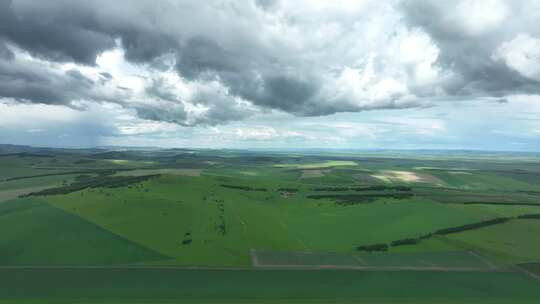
x: 271, y: 73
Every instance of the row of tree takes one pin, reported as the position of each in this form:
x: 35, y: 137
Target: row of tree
x: 245, y: 188
x: 383, y: 188
x: 414, y: 241
x: 288, y: 189
x: 95, y: 182
x: 477, y: 225
x: 364, y: 188
x: 351, y: 199
x: 530, y: 216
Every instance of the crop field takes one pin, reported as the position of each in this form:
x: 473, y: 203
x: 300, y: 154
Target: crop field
x: 263, y: 226
x: 442, y: 260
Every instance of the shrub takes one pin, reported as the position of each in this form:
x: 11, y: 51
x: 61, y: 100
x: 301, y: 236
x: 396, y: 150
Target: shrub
x: 373, y: 247
x: 530, y: 216
x: 401, y: 242
x: 288, y: 189
x: 245, y: 188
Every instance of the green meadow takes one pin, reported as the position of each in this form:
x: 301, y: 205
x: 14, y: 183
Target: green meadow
x: 266, y: 286
x: 239, y: 226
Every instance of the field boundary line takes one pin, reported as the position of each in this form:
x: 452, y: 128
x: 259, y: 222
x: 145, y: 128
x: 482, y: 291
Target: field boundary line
x: 268, y: 267
x: 386, y: 268
x: 359, y: 259
x: 528, y: 273
x: 483, y: 259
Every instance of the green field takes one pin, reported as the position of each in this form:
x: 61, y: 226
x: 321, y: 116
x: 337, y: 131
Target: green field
x: 35, y: 233
x: 515, y: 241
x: 268, y: 286
x: 269, y: 227
x: 385, y: 261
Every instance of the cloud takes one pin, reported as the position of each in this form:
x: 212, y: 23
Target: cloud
x: 38, y: 82
x: 466, y: 34
x: 264, y: 133
x: 46, y: 32
x: 521, y: 54
x: 5, y: 52
x: 218, y: 61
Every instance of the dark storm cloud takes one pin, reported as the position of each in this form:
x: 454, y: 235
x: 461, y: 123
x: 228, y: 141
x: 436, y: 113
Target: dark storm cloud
x: 250, y: 77
x: 281, y: 92
x: 175, y: 115
x: 65, y: 36
x: 5, y: 52
x: 200, y: 56
x: 61, y: 30
x: 143, y: 46
x: 36, y: 83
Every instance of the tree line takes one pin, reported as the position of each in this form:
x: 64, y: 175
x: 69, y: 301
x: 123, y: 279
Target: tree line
x: 351, y: 199
x: 444, y: 231
x: 363, y: 188
x: 99, y: 181
x: 245, y: 188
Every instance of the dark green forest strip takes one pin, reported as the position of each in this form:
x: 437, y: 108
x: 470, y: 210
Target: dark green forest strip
x: 364, y: 188
x: 500, y: 204
x: 530, y: 216
x: 26, y: 154
x: 100, y: 181
x: 409, y: 241
x: 472, y: 226
x: 382, y: 188
x: 245, y: 188
x: 351, y: 199
x: 373, y: 247
x: 57, y: 173
x: 444, y: 231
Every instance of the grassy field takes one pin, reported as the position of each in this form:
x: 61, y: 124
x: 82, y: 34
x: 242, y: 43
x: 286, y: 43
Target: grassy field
x: 175, y: 206
x: 34, y: 233
x: 235, y: 212
x: 267, y: 286
x: 416, y: 260
x: 513, y: 242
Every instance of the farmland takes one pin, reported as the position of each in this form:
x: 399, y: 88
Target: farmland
x: 299, y: 226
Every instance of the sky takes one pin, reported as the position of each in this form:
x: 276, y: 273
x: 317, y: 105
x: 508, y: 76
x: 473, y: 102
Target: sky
x: 351, y: 74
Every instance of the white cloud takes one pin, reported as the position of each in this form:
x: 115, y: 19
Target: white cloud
x: 478, y: 16
x: 265, y: 133
x: 521, y: 54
